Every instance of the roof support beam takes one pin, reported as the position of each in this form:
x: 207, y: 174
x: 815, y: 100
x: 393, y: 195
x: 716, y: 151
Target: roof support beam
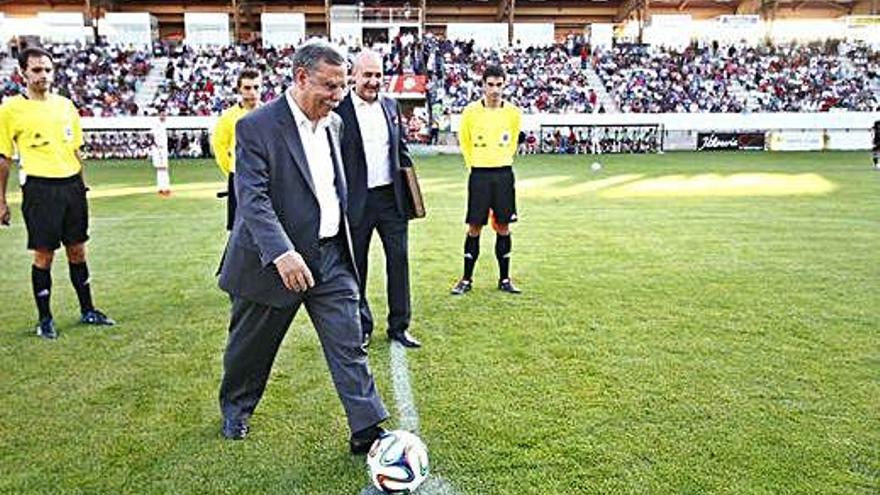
x: 327, y: 18
x: 865, y: 7
x: 627, y: 7
x: 834, y: 5
x: 510, y: 13
x: 502, y: 10
x: 748, y: 7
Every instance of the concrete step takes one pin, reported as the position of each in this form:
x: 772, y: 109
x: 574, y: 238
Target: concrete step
x: 151, y: 84
x: 598, y: 86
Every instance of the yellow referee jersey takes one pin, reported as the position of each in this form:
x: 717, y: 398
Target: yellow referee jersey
x: 46, y: 134
x: 487, y: 136
x: 223, y: 139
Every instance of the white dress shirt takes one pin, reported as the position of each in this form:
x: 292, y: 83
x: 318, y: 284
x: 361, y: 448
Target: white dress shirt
x: 316, y: 145
x: 374, y: 132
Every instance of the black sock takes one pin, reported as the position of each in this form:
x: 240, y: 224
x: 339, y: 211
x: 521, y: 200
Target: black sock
x: 502, y: 253
x: 79, y: 277
x: 471, y: 253
x: 41, y: 281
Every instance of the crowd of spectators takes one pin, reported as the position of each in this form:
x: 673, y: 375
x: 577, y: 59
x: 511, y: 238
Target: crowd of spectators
x: 102, y: 145
x: 202, y: 81
x: 547, y: 79
x: 782, y: 78
x: 12, y: 86
x: 138, y: 144
x: 596, y: 140
x: 189, y: 143
x: 102, y: 80
x: 552, y: 79
x: 404, y: 54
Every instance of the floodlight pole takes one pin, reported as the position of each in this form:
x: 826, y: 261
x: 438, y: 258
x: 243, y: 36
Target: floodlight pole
x: 642, y: 14
x: 236, y: 29
x: 327, y: 18
x: 91, y: 20
x: 511, y: 5
x: 768, y: 10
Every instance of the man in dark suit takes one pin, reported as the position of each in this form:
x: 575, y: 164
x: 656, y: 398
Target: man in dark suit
x: 290, y: 245
x: 373, y: 150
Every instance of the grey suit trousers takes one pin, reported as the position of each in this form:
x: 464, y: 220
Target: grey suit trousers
x: 256, y: 332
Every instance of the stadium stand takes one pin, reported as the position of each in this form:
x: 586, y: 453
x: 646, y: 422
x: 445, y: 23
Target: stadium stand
x: 202, y: 81
x: 783, y: 78
x: 101, y: 80
x: 553, y: 83
x: 542, y: 79
x: 104, y: 81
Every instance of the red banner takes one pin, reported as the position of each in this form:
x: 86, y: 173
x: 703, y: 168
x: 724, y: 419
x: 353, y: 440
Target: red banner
x: 408, y: 83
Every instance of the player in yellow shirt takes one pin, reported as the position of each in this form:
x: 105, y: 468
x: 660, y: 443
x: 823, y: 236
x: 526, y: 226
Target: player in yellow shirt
x: 44, y: 129
x: 488, y: 138
x: 223, y: 139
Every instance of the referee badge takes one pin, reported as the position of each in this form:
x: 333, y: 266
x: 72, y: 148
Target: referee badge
x: 68, y: 133
x: 505, y: 138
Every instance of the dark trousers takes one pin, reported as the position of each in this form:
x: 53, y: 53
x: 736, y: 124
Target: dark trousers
x: 231, y: 202
x: 256, y: 332
x: 381, y: 214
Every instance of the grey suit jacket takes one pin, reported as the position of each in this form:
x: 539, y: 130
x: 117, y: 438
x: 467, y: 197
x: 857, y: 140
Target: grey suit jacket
x: 277, y: 206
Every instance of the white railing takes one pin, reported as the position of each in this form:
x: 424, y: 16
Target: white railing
x: 831, y: 130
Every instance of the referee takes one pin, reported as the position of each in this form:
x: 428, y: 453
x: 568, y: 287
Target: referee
x: 487, y: 137
x: 45, y: 130
x: 223, y: 139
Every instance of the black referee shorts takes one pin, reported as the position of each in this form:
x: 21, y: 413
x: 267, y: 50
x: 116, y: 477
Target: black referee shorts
x: 491, y: 188
x: 55, y: 211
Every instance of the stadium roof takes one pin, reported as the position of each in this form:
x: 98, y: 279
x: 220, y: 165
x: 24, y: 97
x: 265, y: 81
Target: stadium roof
x: 565, y: 14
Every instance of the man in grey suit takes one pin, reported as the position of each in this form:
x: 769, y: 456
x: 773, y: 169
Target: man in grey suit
x: 373, y: 151
x: 290, y: 245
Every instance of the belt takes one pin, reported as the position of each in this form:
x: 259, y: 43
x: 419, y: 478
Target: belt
x: 329, y: 240
x: 386, y: 187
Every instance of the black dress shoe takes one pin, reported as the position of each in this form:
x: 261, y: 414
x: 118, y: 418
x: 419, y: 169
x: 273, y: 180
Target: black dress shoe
x: 366, y: 339
x: 361, y: 441
x: 405, y: 339
x: 235, y: 429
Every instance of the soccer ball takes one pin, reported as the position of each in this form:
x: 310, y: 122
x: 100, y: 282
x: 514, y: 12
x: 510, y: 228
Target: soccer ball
x: 596, y: 166
x: 398, y: 462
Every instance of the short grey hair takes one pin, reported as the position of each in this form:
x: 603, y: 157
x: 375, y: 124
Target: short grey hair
x: 311, y: 53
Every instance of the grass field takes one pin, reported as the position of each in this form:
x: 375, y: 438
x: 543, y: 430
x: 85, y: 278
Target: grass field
x: 690, y: 324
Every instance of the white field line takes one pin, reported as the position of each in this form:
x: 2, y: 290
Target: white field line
x: 409, y: 420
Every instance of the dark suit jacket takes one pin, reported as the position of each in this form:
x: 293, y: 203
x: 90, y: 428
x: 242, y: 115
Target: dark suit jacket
x: 277, y: 207
x: 356, y: 162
